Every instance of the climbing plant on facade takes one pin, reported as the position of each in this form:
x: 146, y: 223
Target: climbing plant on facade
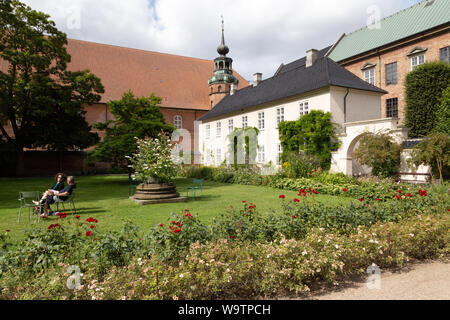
x: 313, y: 134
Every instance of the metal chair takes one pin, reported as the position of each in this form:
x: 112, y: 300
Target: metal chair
x: 69, y: 201
x: 26, y: 201
x: 197, y: 185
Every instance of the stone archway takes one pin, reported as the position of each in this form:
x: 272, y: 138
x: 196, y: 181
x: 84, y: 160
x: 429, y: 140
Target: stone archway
x: 342, y: 160
x: 356, y: 169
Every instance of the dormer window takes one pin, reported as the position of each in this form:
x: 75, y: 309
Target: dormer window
x: 417, y: 57
x: 220, y: 89
x: 369, y: 73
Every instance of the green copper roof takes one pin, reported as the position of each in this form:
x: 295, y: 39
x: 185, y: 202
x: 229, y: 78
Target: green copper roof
x: 418, y: 18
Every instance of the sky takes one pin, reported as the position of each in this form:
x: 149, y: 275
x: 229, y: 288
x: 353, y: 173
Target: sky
x: 261, y: 34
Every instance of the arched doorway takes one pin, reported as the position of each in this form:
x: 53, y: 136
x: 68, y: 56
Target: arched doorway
x: 354, y: 168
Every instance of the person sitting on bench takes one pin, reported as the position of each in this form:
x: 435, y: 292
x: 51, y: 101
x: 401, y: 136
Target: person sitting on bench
x: 49, y: 196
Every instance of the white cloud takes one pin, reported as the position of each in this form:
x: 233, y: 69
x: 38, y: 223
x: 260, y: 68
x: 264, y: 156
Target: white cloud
x: 261, y: 34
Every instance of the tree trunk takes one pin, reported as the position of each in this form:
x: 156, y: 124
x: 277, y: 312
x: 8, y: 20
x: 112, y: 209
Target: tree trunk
x: 60, y: 161
x: 20, y: 165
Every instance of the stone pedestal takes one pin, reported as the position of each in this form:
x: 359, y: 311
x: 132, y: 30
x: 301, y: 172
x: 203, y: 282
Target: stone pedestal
x: 157, y: 193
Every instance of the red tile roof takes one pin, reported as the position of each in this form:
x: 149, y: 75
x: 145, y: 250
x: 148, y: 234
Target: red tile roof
x: 182, y: 82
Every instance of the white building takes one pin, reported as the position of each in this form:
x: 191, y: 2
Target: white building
x: 312, y: 83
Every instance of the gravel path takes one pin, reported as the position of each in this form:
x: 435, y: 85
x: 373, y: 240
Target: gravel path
x: 420, y: 281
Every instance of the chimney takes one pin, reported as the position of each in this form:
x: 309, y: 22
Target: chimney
x: 257, y: 78
x: 311, y: 57
x: 233, y: 89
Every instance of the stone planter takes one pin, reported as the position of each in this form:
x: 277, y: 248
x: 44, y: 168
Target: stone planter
x: 157, y: 193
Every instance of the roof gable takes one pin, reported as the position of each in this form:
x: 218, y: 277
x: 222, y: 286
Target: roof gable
x: 421, y: 17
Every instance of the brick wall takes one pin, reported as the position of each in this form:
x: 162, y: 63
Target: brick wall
x: 399, y: 54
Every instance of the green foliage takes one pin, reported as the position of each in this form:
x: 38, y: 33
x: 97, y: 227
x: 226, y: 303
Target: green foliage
x: 171, y: 241
x: 134, y: 118
x: 424, y: 89
x: 153, y: 161
x: 443, y: 113
x: 433, y: 151
x: 299, y: 165
x: 267, y: 254
x: 39, y: 98
x: 379, y: 152
x: 313, y: 133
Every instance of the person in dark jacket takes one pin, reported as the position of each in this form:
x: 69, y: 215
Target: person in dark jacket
x: 63, y: 194
x: 57, y: 186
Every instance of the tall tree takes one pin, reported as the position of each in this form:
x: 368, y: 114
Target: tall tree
x: 133, y: 118
x: 40, y: 100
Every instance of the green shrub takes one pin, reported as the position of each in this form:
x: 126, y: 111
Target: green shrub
x: 379, y: 152
x: 424, y: 89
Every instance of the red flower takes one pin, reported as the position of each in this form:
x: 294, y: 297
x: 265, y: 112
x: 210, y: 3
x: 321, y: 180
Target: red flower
x: 90, y: 219
x: 92, y: 227
x: 399, y: 191
x: 188, y: 215
x: 173, y: 222
x: 361, y: 200
x: 179, y: 223
x: 231, y: 237
x: 161, y: 225
x: 378, y: 199
x: 177, y: 231
x: 77, y: 217
x: 294, y: 217
x: 244, y: 201
x: 88, y: 234
x: 282, y: 196
x: 7, y: 230
x: 345, y: 190
x: 296, y: 200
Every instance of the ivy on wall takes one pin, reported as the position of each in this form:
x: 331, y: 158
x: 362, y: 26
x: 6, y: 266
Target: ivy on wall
x: 313, y: 134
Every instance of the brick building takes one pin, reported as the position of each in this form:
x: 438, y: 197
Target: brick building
x: 181, y: 82
x: 383, y: 55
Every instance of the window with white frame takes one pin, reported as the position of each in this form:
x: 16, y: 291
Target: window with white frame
x: 230, y: 126
x: 208, y: 131
x: 219, y: 129
x: 280, y: 115
x: 245, y: 122
x: 369, y: 75
x: 304, y: 108
x: 178, y: 122
x: 280, y: 152
x: 261, y: 154
x: 218, y: 156
x: 417, y: 61
x: 261, y: 122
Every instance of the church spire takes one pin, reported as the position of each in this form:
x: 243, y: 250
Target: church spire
x: 223, y: 79
x: 223, y: 50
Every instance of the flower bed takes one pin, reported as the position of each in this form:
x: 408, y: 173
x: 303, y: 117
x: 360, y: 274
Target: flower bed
x: 325, y: 183
x: 242, y: 254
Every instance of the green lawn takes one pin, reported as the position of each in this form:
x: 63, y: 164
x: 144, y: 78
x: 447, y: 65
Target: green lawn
x: 106, y: 199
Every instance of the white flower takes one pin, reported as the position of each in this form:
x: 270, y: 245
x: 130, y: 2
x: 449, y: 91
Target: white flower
x: 304, y: 253
x: 336, y: 246
x: 411, y: 235
x: 181, y: 276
